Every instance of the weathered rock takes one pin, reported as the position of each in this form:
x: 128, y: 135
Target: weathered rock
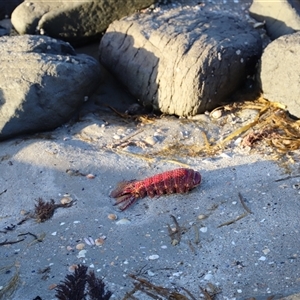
x: 280, y: 72
x: 42, y: 83
x: 181, y: 61
x: 73, y: 21
x: 281, y: 17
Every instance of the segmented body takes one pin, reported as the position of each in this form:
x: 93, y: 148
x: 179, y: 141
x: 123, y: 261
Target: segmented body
x: 176, y: 181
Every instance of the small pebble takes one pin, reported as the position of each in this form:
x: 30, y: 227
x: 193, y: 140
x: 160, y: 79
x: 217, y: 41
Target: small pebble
x: 116, y: 137
x: 99, y: 241
x: 202, y: 217
x: 72, y: 268
x: 80, y: 246
x: 112, y: 217
x: 90, y: 176
x: 53, y: 233
x: 153, y: 257
x: 216, y: 114
x: 66, y: 200
x: 151, y: 140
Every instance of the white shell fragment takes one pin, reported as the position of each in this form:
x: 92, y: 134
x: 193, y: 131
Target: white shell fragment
x: 123, y: 221
x: 81, y: 253
x: 203, y: 229
x: 89, y: 241
x: 153, y: 257
x: 258, y: 25
x: 150, y: 273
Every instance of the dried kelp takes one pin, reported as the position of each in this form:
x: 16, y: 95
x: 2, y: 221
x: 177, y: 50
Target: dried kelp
x: 153, y: 291
x: 45, y: 272
x: 243, y: 215
x: 96, y: 288
x: 6, y: 242
x: 8, y: 289
x: 37, y: 239
x: 139, y: 115
x: 81, y: 286
x: 272, y: 126
x: 175, y: 234
x: 4, y: 191
x: 45, y: 210
x: 73, y: 287
x: 161, y: 293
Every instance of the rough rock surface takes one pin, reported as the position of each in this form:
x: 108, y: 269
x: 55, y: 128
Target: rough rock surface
x: 180, y: 61
x: 76, y: 22
x: 281, y: 17
x: 280, y: 72
x: 42, y: 83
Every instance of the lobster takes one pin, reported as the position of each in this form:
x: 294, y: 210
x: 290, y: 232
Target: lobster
x: 179, y: 180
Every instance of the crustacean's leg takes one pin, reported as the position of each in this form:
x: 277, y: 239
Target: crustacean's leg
x: 125, y: 193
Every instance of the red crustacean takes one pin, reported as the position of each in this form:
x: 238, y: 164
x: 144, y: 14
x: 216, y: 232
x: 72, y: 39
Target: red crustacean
x: 179, y: 180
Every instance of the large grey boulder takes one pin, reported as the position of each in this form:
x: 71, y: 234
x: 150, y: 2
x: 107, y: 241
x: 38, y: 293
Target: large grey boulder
x: 181, y: 61
x: 42, y: 83
x: 281, y: 17
x: 280, y: 72
x: 74, y: 21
